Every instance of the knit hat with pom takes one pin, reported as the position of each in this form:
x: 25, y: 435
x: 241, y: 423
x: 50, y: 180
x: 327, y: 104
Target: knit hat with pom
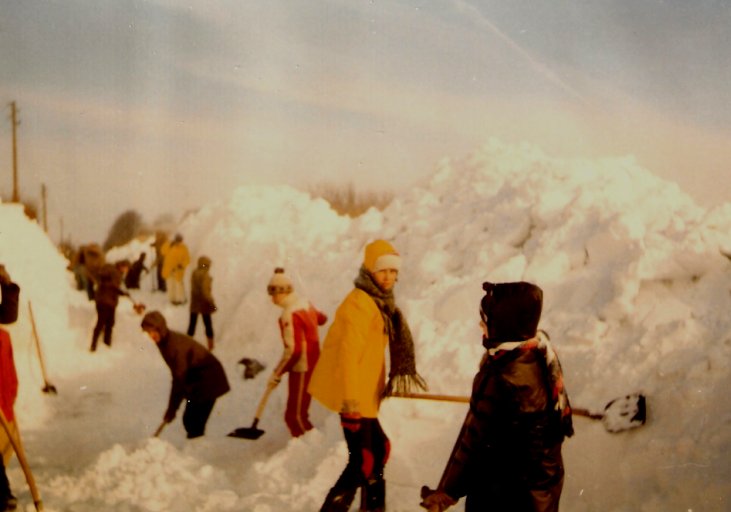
x: 380, y: 255
x: 279, y: 283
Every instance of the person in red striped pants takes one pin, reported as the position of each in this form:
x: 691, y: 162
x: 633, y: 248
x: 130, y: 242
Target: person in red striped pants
x: 298, y: 324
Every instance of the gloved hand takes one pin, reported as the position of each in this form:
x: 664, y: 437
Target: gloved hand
x: 435, y: 500
x: 274, y: 380
x: 350, y: 421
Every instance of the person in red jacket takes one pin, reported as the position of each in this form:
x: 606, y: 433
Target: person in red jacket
x: 298, y: 324
x: 8, y: 377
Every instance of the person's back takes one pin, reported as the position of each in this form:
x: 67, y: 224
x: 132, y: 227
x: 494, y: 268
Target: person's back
x: 507, y: 456
x: 108, y: 289
x: 198, y: 377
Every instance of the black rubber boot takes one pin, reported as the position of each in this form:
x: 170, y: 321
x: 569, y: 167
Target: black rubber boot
x: 373, y: 496
x: 338, y: 500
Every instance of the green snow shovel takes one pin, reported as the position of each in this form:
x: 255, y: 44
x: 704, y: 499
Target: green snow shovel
x: 253, y: 432
x: 620, y: 414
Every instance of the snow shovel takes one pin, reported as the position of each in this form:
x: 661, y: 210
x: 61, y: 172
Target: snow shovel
x: 253, y: 432
x: 47, y: 387
x: 20, y: 453
x: 619, y: 415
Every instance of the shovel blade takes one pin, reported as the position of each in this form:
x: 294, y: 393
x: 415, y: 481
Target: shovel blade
x: 625, y: 413
x: 246, y: 433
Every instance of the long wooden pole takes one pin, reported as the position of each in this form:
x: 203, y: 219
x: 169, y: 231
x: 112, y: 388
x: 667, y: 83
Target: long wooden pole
x: 14, y: 121
x: 465, y: 400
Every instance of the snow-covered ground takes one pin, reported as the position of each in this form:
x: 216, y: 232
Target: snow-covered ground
x: 637, y: 297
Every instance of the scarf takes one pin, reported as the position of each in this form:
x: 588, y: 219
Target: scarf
x: 402, y: 376
x: 554, y: 373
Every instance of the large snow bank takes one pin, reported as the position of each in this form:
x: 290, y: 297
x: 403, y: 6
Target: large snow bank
x: 636, y: 295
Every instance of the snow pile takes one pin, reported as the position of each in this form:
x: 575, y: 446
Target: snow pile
x: 636, y: 299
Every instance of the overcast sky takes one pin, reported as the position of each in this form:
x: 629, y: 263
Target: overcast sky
x: 165, y: 105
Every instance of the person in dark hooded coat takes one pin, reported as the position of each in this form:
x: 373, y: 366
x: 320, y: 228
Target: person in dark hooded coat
x: 198, y: 376
x: 508, y: 453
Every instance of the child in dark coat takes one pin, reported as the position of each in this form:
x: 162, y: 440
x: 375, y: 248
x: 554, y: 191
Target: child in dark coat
x: 198, y: 377
x: 106, y: 297
x: 508, y: 453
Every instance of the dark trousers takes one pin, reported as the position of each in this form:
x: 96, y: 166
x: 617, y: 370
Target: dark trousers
x: 206, y: 323
x: 368, y: 451
x: 196, y: 416
x: 5, y: 492
x: 104, y: 322
x: 162, y: 286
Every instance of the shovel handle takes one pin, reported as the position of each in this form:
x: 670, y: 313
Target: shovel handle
x: 263, y: 402
x: 17, y: 445
x: 465, y: 399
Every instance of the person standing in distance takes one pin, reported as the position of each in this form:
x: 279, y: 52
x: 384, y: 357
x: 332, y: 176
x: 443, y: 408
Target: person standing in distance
x: 201, y: 299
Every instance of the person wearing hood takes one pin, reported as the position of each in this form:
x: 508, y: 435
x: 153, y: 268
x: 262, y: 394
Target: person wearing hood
x: 175, y: 260
x: 198, y: 377
x: 350, y: 376
x: 298, y: 325
x: 201, y: 299
x: 8, y: 382
x: 507, y: 456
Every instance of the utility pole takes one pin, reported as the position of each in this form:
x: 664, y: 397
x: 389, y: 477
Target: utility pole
x: 15, y: 122
x: 45, y: 210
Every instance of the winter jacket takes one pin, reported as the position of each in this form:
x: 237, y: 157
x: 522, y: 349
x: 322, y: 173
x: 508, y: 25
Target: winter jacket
x: 201, y: 294
x: 8, y: 377
x: 351, y: 366
x: 92, y: 257
x: 108, y: 290
x: 509, y: 449
x: 507, y: 456
x: 176, y: 260
x: 197, y: 374
x: 298, y: 324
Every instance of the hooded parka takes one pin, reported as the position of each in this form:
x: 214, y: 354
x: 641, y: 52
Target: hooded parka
x: 508, y: 453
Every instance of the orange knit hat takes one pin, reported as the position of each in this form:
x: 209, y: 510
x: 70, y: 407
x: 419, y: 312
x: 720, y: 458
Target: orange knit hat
x: 380, y: 255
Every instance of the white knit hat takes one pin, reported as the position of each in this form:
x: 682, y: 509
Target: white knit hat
x: 279, y: 283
